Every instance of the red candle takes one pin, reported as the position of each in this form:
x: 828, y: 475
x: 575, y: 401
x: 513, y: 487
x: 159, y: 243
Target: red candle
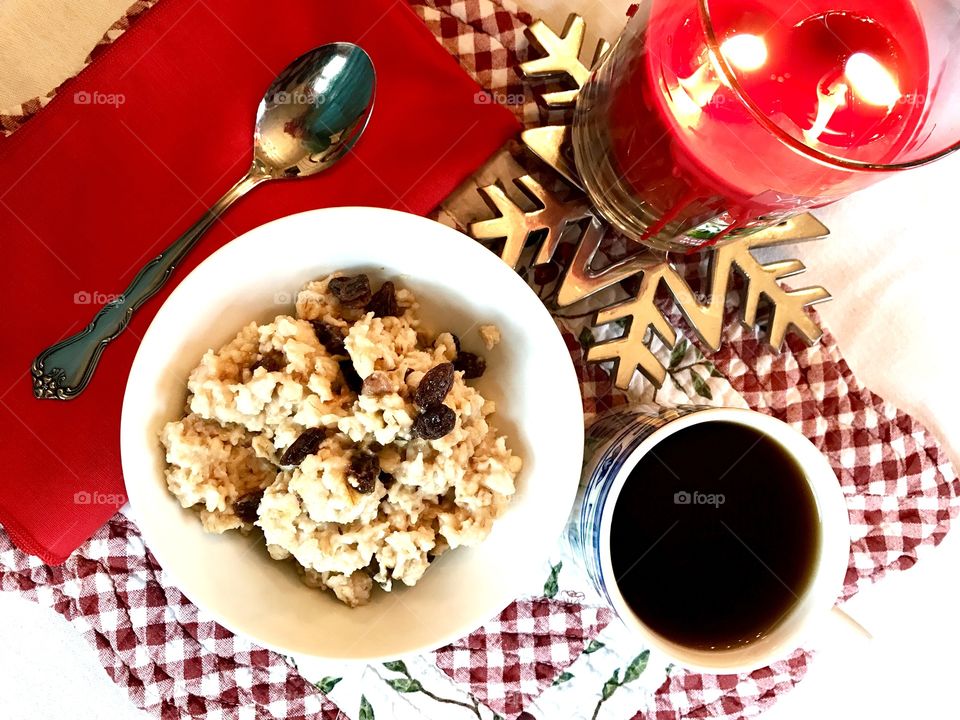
x: 697, y: 138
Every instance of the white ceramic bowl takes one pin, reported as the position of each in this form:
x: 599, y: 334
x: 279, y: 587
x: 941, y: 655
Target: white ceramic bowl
x: 460, y: 285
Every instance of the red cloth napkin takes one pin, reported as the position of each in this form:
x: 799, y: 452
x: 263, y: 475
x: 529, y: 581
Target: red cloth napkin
x: 130, y: 153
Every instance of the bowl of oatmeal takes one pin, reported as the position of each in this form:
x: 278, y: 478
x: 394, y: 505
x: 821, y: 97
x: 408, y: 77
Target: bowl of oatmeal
x: 349, y: 434
x: 352, y: 434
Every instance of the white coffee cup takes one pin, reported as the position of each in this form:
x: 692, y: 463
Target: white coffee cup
x: 616, y: 443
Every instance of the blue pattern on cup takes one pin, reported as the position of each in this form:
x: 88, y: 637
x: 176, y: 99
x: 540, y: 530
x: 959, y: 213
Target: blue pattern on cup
x: 610, y: 442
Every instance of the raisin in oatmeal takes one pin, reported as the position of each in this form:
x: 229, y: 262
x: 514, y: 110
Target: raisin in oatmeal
x: 348, y: 434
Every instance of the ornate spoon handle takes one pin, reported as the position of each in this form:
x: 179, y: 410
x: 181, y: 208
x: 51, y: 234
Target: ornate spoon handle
x: 62, y: 371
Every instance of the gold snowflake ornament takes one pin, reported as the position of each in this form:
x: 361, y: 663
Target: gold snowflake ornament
x: 551, y: 218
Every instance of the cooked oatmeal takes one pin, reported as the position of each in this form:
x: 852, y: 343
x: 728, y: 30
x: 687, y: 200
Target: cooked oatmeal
x: 348, y: 434
x: 490, y: 334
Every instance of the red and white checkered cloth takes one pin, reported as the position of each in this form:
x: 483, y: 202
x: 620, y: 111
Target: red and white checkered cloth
x: 177, y: 663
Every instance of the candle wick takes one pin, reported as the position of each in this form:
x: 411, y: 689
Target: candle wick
x: 827, y: 105
x: 702, y: 85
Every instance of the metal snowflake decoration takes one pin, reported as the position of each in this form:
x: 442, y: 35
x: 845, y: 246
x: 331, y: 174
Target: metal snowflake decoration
x: 640, y: 316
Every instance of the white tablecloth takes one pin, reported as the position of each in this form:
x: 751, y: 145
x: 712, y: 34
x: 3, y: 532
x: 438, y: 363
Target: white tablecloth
x: 892, y: 265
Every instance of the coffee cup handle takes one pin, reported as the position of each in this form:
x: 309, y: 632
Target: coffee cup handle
x: 841, y: 622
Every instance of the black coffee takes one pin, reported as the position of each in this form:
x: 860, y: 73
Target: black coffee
x: 714, y: 536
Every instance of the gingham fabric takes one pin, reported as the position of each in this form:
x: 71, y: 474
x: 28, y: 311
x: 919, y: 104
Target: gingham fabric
x: 514, y: 658
x: 556, y: 652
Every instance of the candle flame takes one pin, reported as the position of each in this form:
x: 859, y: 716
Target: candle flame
x: 871, y: 81
x: 746, y: 52
x: 695, y: 92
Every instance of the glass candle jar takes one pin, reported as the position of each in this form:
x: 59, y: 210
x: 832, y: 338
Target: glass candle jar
x: 714, y: 118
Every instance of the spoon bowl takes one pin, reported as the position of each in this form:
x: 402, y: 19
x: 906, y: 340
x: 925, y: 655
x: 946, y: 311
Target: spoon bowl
x: 314, y: 111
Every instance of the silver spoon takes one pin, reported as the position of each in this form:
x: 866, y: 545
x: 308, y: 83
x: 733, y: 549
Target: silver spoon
x: 310, y: 116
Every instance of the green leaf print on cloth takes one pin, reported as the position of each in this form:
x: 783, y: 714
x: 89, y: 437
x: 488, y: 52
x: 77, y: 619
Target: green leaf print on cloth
x: 409, y: 684
x: 327, y: 684
x: 366, y: 710
x: 550, y: 586
x: 633, y: 671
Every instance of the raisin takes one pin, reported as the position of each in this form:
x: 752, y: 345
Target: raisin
x: 473, y: 366
x: 435, y: 422
x: 271, y: 361
x: 456, y: 342
x: 406, y: 373
x: 434, y: 386
x: 350, y: 376
x: 377, y: 383
x: 364, y: 469
x: 384, y: 302
x: 329, y: 336
x: 352, y: 291
x: 305, y: 445
x: 386, y: 479
x: 246, y: 507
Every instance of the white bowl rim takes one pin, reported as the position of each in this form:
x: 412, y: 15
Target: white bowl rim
x: 568, y: 388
